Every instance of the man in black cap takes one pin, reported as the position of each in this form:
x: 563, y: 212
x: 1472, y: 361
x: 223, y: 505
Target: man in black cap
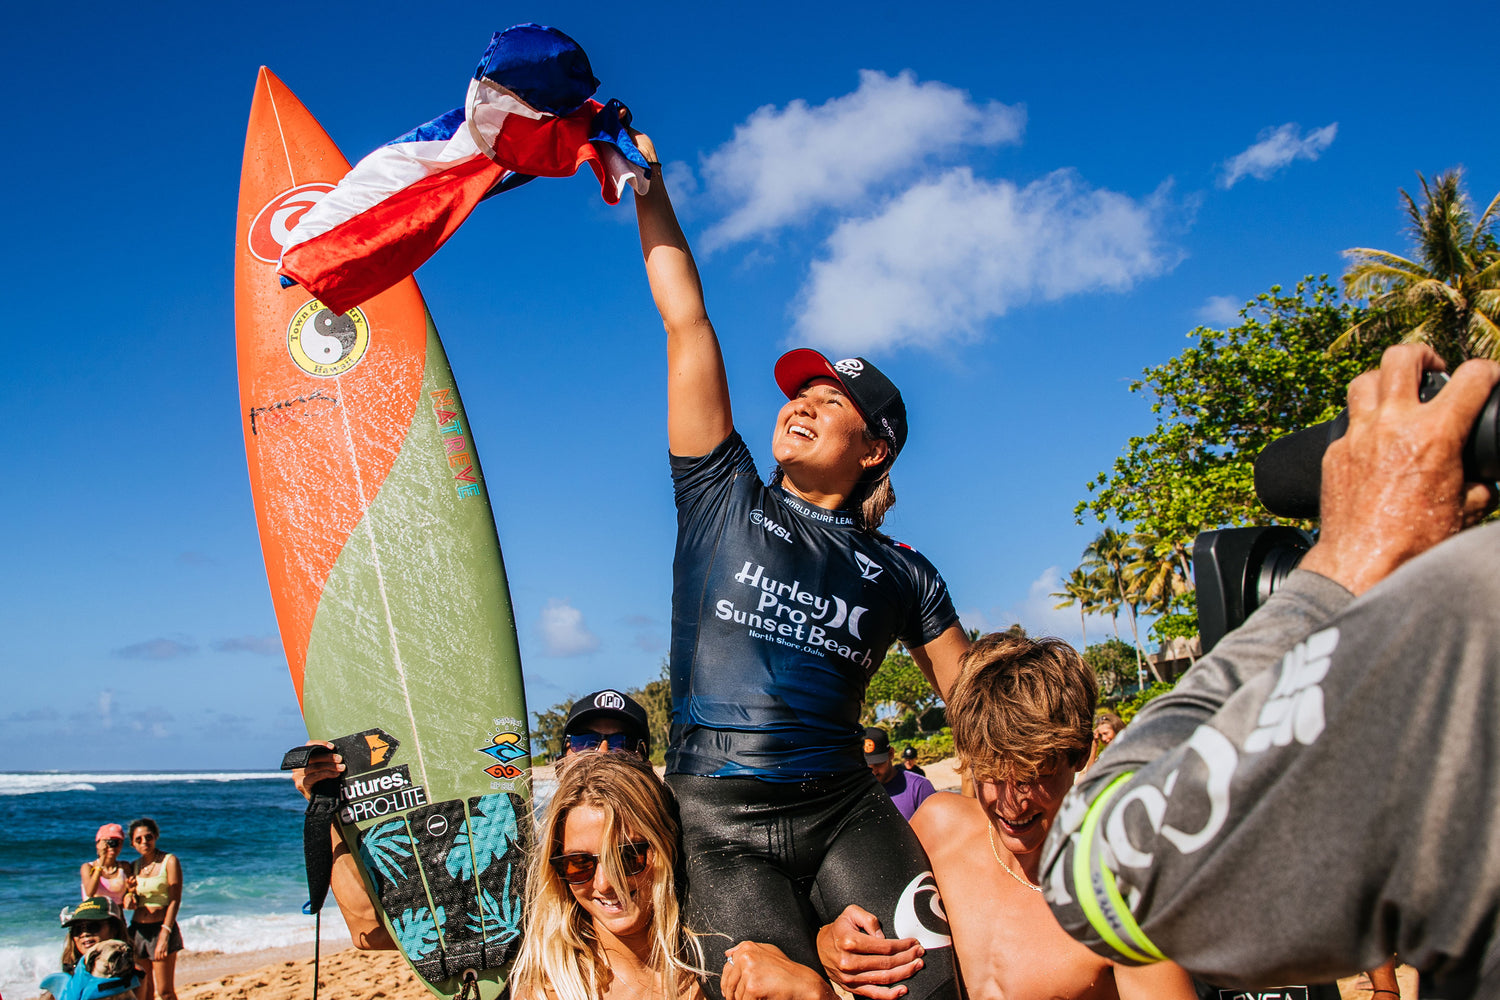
x: 909, y: 761
x: 607, y: 721
x: 906, y: 789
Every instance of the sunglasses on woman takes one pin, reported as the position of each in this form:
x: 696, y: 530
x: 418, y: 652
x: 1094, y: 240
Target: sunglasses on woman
x: 94, y: 927
x: 576, y: 869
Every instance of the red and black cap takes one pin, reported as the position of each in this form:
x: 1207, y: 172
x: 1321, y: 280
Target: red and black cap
x: 876, y: 396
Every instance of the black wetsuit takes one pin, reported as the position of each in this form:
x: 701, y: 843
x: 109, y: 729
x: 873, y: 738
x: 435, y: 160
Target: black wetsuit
x: 780, y: 614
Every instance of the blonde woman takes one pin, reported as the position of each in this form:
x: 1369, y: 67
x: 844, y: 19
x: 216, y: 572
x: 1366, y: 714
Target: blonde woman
x: 602, y: 917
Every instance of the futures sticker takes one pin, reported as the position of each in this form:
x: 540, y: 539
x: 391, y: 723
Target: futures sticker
x: 324, y: 343
x: 379, y: 793
x: 920, y: 913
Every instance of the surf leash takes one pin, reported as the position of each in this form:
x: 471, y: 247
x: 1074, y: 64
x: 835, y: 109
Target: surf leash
x: 317, y: 843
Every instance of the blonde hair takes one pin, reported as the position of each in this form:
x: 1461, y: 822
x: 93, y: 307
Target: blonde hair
x: 560, y: 956
x: 1021, y: 705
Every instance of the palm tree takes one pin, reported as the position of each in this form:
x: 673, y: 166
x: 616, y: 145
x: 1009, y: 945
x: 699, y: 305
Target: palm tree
x: 1081, y: 589
x: 1157, y: 574
x: 1107, y: 556
x: 1449, y: 296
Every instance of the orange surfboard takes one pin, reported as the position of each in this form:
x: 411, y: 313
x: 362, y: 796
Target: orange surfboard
x: 385, y: 571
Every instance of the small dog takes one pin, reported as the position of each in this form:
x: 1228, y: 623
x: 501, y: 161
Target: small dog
x: 109, y: 960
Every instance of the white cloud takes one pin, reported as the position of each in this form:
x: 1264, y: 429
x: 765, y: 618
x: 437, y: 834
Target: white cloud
x: 1274, y: 149
x: 1220, y: 310
x: 106, y: 709
x: 160, y: 648
x: 784, y: 163
x: 1038, y: 615
x: 563, y: 630
x: 955, y: 251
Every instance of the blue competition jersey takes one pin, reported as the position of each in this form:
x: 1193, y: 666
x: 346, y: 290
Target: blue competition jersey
x: 780, y: 613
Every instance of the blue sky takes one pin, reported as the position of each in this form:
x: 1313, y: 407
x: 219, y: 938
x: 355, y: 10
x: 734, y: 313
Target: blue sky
x: 1011, y: 209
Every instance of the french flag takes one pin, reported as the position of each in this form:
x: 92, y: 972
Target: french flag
x: 529, y: 113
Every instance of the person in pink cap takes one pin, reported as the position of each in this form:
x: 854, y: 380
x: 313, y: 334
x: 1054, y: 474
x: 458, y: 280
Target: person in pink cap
x: 107, y: 875
x: 786, y: 595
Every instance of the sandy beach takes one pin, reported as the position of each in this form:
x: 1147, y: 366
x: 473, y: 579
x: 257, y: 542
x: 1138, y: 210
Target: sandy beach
x: 286, y: 974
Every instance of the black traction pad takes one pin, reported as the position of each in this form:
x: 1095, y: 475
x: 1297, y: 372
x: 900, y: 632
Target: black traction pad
x: 450, y: 881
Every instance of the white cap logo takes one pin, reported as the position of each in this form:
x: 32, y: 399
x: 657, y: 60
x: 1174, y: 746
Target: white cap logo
x: 609, y: 699
x: 850, y: 367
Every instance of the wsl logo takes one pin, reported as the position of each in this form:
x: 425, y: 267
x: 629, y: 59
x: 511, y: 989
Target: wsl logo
x: 325, y: 344
x: 274, y: 223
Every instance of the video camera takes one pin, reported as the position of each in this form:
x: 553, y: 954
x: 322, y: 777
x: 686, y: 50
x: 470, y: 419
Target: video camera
x: 1236, y: 570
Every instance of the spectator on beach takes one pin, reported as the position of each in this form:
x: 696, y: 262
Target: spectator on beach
x: 89, y: 971
x: 907, y: 789
x: 1021, y: 714
x: 158, y: 894
x: 909, y: 761
x: 1107, y: 726
x: 602, y: 910
x: 607, y: 720
x: 107, y: 875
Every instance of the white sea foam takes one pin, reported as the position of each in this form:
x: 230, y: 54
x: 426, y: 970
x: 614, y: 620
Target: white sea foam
x: 23, y: 966
x: 61, y: 781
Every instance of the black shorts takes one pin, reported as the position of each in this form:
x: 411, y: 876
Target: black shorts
x: 773, y: 862
x: 145, y: 939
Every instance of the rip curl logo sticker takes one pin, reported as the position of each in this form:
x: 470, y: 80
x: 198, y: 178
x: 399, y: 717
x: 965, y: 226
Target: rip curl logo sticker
x: 275, y: 221
x: 850, y: 367
x: 609, y: 699
x: 324, y: 343
x: 1294, y: 711
x: 920, y: 913
x: 505, y: 748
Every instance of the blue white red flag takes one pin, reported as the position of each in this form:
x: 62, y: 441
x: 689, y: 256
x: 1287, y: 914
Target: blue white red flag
x: 528, y: 113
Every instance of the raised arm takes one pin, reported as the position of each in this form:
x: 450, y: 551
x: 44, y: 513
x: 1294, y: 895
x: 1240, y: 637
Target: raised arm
x: 938, y: 660
x: 698, y: 415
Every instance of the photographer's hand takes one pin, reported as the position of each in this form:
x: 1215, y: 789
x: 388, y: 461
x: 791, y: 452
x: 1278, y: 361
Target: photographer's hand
x: 1393, y: 486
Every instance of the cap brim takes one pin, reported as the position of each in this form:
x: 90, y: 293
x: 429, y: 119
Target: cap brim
x: 794, y: 369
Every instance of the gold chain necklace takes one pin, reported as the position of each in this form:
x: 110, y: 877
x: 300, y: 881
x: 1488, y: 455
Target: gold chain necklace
x: 996, y: 852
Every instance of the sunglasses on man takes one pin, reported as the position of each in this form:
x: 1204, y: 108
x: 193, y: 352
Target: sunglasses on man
x: 588, y: 742
x: 579, y: 868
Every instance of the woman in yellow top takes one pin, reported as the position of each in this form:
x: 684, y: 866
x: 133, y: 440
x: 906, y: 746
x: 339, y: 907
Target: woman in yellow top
x: 158, y: 892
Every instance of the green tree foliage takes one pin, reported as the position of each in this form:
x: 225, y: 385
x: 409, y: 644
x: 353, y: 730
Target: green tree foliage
x: 547, y: 731
x: 1128, y: 708
x: 655, y: 697
x: 1447, y: 293
x: 1219, y: 402
x: 900, y: 682
x: 1113, y: 662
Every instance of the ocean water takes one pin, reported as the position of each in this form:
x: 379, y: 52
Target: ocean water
x: 237, y: 834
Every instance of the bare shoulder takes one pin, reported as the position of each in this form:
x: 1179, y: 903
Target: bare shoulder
x: 944, y: 816
x: 1159, y: 981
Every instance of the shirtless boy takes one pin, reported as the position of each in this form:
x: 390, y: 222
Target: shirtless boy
x: 1022, y: 715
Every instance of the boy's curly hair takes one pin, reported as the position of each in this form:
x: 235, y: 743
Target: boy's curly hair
x: 1021, y: 706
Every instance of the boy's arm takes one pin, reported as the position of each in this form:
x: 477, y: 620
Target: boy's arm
x: 698, y: 412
